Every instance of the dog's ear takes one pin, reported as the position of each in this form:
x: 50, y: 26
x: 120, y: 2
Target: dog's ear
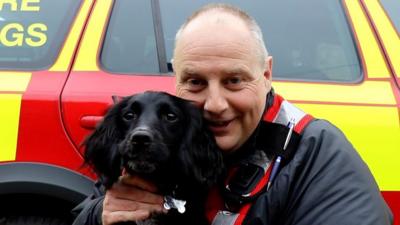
x: 101, y: 147
x: 199, y: 153
x: 117, y: 99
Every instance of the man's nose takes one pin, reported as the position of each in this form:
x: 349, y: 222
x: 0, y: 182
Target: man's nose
x: 215, y: 102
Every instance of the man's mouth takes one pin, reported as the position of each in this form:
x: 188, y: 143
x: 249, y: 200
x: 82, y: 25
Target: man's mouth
x: 219, y: 126
x: 219, y: 123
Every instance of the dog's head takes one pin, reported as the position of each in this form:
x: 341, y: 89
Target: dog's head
x: 153, y: 134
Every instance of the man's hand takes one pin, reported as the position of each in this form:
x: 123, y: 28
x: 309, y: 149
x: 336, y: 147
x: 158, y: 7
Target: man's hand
x: 131, y: 199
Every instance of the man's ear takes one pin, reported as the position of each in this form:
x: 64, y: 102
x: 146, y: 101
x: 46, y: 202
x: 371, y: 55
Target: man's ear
x: 172, y: 64
x: 268, y: 73
x: 268, y: 68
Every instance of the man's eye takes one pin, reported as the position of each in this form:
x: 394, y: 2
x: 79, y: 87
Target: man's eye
x: 234, y: 80
x: 195, y: 82
x: 234, y: 83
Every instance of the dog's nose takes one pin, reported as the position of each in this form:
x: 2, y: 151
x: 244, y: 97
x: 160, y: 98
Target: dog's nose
x: 141, y: 138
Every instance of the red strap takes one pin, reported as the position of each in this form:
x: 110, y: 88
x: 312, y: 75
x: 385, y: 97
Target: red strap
x: 303, y: 123
x: 274, y: 109
x: 215, y: 202
x: 263, y: 182
x: 245, y: 209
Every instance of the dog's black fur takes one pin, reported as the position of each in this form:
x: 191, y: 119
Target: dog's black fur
x: 164, y: 139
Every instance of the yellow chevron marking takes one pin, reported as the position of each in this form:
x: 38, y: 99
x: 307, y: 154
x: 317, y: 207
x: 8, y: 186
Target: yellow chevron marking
x: 65, y: 56
x: 10, y: 105
x: 14, y: 81
x: 387, y: 32
x: 88, y: 51
x: 9, y: 119
x: 374, y: 61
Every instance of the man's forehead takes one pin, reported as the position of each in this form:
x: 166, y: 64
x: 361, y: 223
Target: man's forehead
x: 212, y: 35
x: 234, y: 70
x: 214, y: 30
x: 213, y: 18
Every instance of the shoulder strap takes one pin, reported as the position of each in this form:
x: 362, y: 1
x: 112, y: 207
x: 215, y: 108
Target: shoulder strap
x: 281, y: 112
x: 274, y: 130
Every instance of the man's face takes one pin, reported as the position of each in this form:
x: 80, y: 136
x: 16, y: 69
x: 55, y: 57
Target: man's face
x: 217, y: 67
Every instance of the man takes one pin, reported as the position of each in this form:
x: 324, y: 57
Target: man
x: 222, y: 65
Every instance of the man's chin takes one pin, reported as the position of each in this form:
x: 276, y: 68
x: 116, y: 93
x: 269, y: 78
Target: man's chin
x: 226, y: 144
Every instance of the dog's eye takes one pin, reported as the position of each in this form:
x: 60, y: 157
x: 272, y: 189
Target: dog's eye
x: 170, y: 117
x: 130, y: 116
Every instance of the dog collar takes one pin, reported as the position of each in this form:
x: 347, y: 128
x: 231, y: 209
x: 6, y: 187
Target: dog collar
x: 172, y: 203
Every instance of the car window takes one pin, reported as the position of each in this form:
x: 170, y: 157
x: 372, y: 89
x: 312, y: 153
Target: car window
x: 307, y: 44
x: 309, y: 40
x: 129, y: 45
x: 392, y: 8
x: 32, y: 32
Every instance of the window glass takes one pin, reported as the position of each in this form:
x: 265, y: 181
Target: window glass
x: 129, y: 45
x: 309, y: 40
x: 32, y: 32
x: 307, y: 44
x: 392, y: 8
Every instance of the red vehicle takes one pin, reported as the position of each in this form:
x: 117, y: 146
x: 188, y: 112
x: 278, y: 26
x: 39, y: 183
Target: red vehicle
x: 62, y: 61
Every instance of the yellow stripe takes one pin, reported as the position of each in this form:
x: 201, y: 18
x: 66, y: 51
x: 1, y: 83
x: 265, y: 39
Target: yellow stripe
x: 9, y: 119
x: 14, y: 81
x: 370, y: 92
x: 375, y: 63
x: 10, y: 105
x: 87, y: 56
x: 387, y: 32
x: 64, y: 58
x: 374, y: 132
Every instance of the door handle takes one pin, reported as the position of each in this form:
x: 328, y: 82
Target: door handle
x: 90, y: 122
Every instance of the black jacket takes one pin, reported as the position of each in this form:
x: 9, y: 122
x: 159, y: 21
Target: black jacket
x: 325, y: 182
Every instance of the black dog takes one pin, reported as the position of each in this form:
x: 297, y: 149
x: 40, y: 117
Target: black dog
x: 164, y: 139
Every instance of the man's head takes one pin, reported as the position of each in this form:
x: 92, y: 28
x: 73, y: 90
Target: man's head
x: 221, y: 64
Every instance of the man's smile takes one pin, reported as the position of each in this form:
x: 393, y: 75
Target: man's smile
x: 219, y: 126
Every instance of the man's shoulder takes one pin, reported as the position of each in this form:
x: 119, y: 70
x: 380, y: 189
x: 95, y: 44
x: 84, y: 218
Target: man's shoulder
x: 324, y: 138
x: 317, y: 125
x: 320, y: 128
